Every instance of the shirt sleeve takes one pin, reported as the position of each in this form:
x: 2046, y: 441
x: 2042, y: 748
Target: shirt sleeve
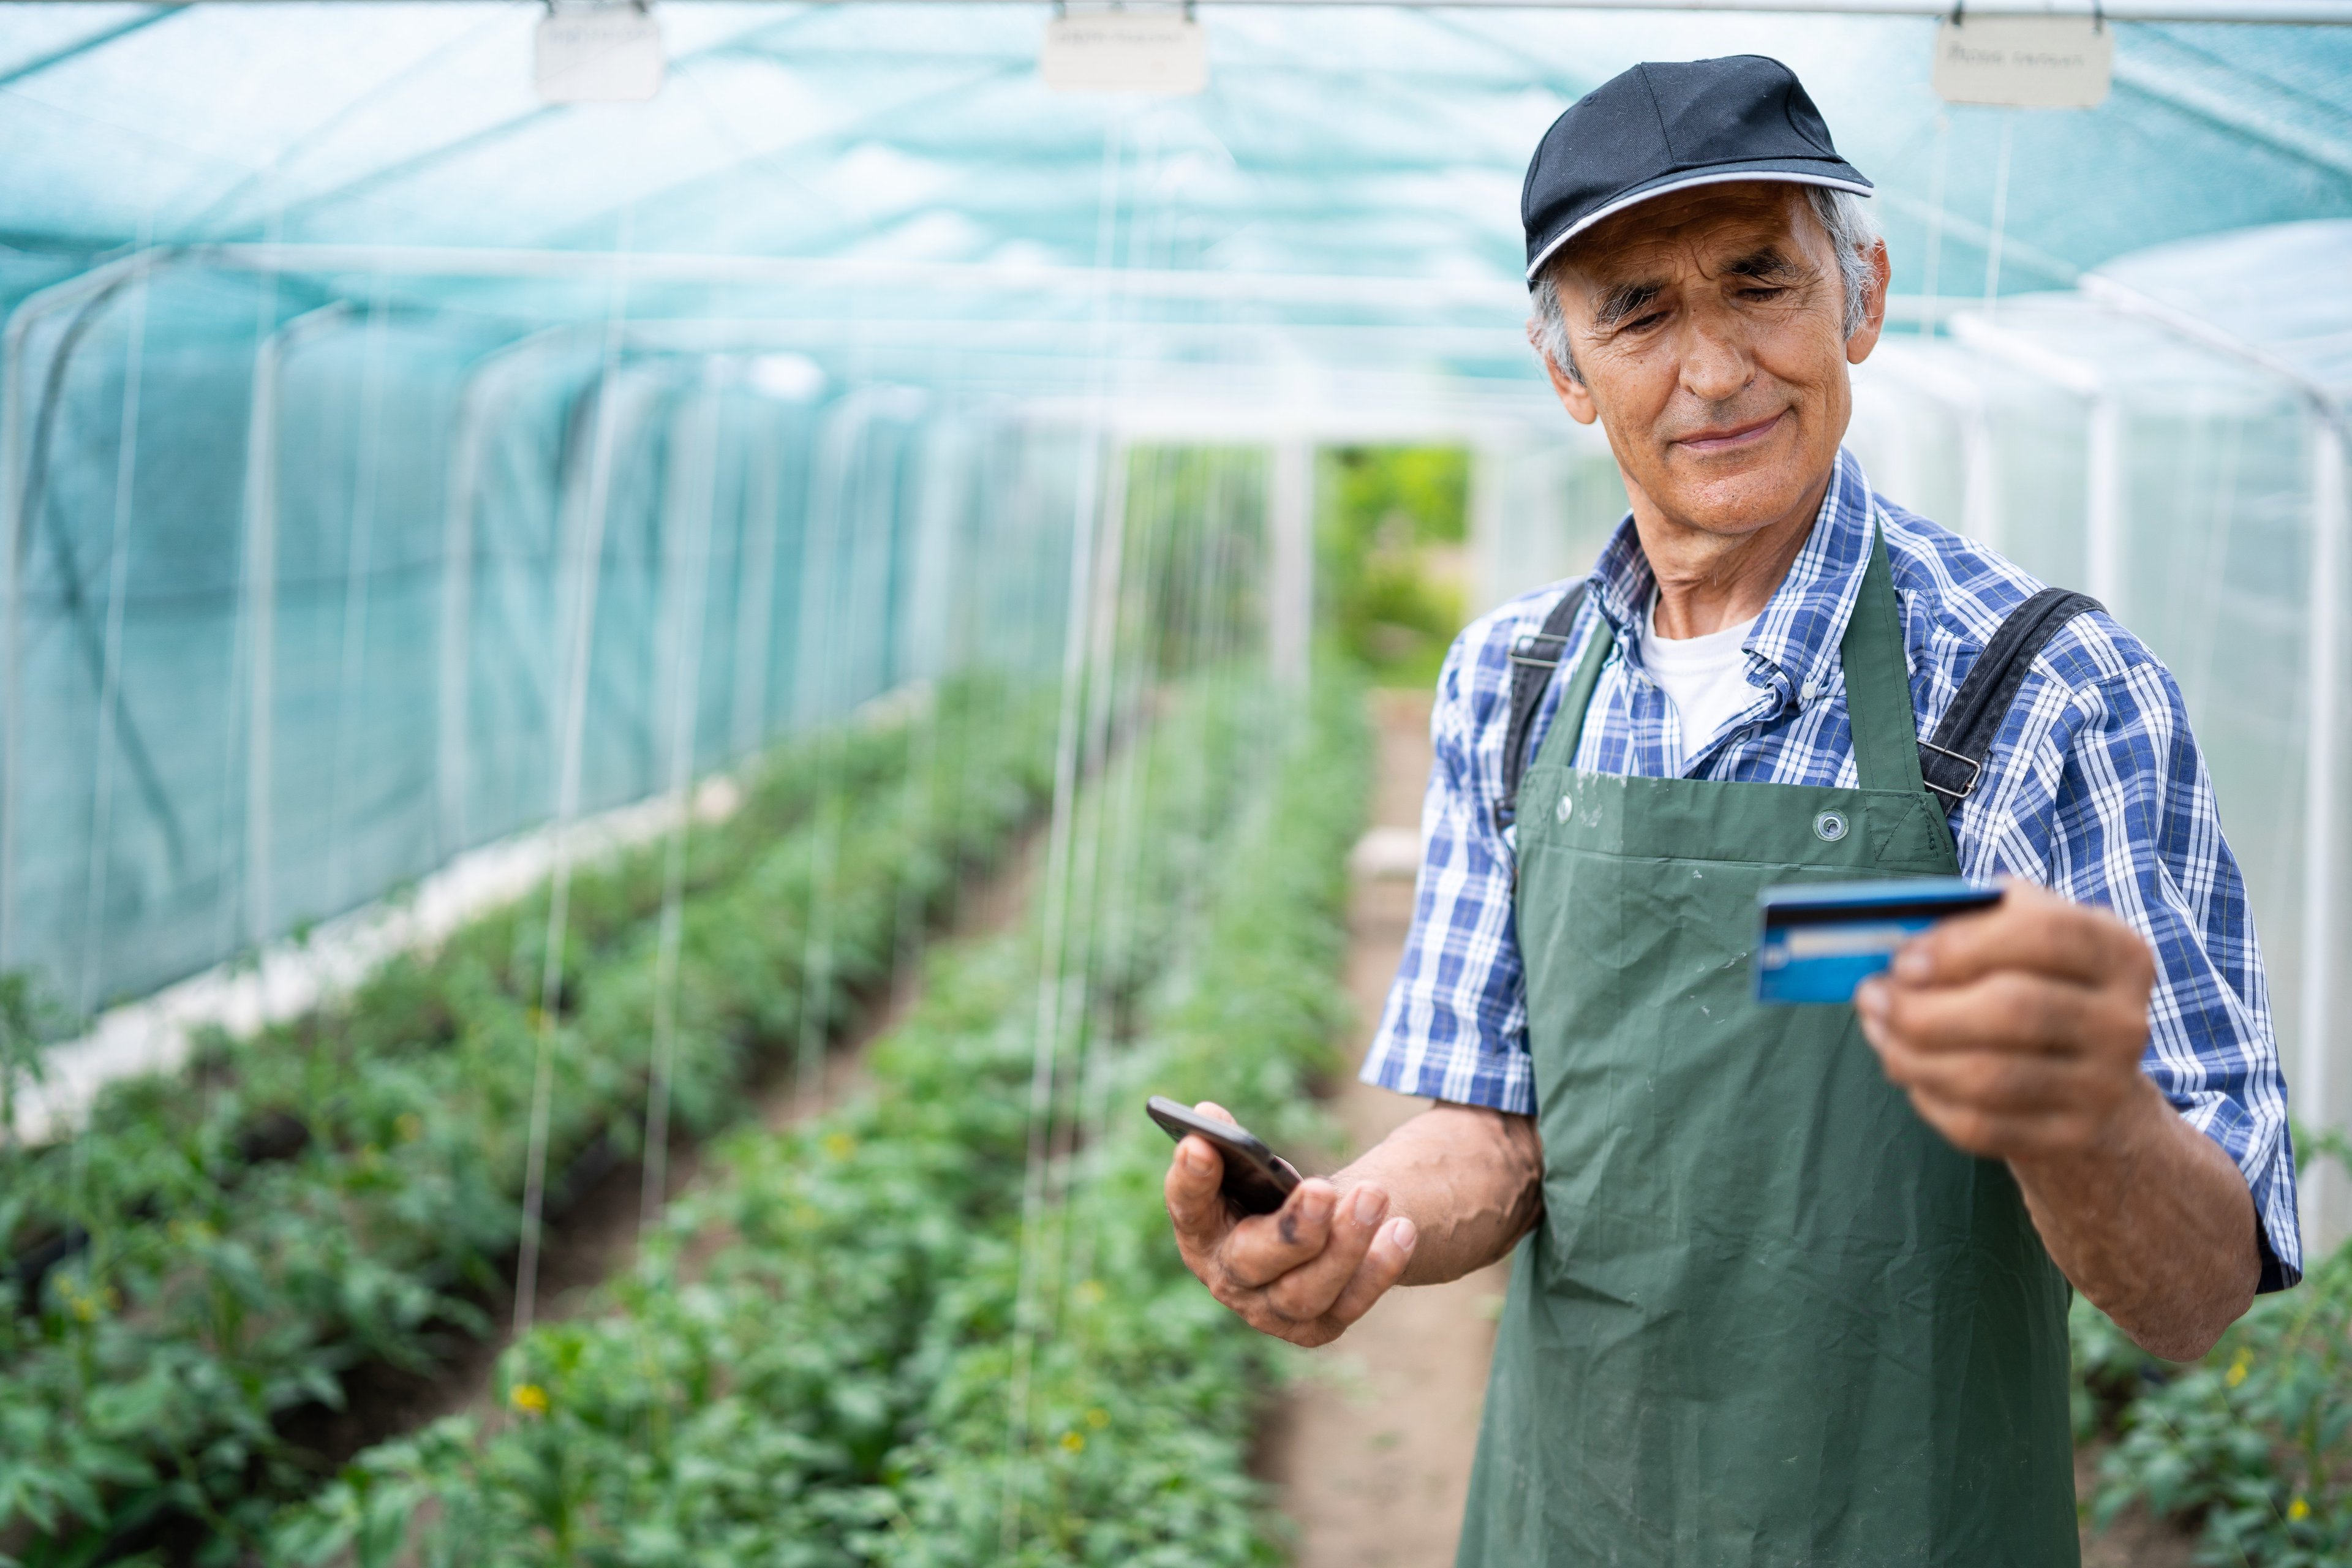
x: 2104, y: 797
x: 1456, y: 1026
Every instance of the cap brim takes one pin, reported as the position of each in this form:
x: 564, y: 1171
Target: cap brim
x: 1850, y: 181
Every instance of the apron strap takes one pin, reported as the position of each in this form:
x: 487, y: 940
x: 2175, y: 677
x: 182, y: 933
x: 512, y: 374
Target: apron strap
x: 1568, y: 728
x: 1877, y: 685
x: 1878, y: 681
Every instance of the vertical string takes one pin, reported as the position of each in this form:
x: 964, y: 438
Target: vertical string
x: 1929, y: 319
x: 817, y: 680
x: 1999, y: 209
x: 357, y: 570
x: 1087, y: 521
x: 688, y: 573
x: 1125, y: 662
x: 110, y: 690
x: 577, y: 644
x: 755, y: 599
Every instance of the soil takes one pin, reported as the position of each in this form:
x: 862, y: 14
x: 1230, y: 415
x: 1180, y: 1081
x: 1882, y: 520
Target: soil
x: 1370, y: 1447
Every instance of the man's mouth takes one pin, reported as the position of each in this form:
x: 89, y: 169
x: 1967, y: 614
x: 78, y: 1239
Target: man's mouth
x: 1730, y: 437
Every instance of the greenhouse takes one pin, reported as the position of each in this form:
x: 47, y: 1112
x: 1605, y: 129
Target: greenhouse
x: 658, y: 660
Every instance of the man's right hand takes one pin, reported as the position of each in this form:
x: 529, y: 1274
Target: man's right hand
x: 1303, y: 1273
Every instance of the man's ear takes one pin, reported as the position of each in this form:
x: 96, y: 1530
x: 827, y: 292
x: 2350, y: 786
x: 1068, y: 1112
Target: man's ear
x: 1874, y: 306
x: 1573, y: 394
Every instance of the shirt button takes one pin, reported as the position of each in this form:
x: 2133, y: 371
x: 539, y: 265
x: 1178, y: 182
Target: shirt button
x: 1810, y: 695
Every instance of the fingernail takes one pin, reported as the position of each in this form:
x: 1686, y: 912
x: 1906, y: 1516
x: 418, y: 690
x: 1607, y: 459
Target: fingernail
x: 1869, y: 999
x: 1196, y: 1159
x: 1912, y: 962
x: 1369, y: 1204
x: 1316, y: 1204
x: 1402, y: 1235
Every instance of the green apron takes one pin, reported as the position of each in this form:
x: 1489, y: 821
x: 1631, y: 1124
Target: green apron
x: 1769, y: 1316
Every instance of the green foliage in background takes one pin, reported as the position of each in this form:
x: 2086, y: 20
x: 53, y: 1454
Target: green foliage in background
x: 1192, y: 581
x: 345, y: 1189
x: 1395, y: 523
x: 834, y: 1383
x: 2253, y: 1445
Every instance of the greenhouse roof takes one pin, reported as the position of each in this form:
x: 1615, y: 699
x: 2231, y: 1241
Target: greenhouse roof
x: 904, y: 163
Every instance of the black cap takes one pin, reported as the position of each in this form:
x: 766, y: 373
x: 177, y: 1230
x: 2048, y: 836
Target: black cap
x: 1667, y: 127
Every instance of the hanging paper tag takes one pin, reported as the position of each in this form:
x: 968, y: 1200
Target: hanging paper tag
x: 2025, y: 62
x: 1125, y: 51
x: 598, y: 54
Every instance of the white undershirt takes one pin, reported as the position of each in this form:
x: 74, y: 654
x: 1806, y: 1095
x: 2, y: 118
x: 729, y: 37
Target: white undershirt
x: 1704, y: 677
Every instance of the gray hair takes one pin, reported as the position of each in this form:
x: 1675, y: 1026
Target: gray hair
x: 1843, y: 216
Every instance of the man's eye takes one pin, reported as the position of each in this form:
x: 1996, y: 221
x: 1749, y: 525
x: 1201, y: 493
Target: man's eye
x: 1642, y: 323
x: 1762, y: 291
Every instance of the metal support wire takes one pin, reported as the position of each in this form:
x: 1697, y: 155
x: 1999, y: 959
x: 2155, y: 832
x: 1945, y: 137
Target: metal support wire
x: 2323, y: 12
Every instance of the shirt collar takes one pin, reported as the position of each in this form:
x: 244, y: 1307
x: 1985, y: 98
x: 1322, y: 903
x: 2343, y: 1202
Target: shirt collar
x: 1795, y: 643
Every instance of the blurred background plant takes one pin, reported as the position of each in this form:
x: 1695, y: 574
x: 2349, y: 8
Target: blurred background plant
x: 2251, y: 1446
x: 1395, y: 555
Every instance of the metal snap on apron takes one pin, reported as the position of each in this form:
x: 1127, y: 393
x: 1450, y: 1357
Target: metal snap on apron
x: 1769, y: 1317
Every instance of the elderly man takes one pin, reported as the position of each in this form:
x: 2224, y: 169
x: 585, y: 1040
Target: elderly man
x: 1792, y: 1282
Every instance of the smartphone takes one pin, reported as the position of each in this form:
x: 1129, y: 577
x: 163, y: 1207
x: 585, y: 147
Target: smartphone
x: 1256, y: 1178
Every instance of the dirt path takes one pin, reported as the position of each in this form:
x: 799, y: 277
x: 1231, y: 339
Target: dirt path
x: 1373, y: 1451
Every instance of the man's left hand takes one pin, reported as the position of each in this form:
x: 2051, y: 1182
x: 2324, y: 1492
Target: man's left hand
x: 2018, y: 1031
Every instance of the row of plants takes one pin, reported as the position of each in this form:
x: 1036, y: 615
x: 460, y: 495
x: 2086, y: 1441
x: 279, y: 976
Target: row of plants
x: 861, y: 1346
x: 345, y: 1189
x: 2250, y: 1447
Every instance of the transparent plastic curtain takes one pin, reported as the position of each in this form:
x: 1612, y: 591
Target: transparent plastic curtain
x: 308, y: 657
x: 2186, y: 488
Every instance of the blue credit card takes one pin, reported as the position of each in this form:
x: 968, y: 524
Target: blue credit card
x: 1823, y: 939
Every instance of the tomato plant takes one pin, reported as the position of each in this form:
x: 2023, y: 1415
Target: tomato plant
x: 831, y: 1385
x: 345, y: 1189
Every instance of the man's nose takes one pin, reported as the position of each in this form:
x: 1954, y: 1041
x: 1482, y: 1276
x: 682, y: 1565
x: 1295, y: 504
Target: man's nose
x: 1715, y: 365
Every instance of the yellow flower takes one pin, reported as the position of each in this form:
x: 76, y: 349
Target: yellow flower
x: 1097, y: 1418
x: 1075, y: 1442
x: 2238, y: 1368
x: 529, y: 1398
x: 839, y: 1144
x: 2298, y: 1510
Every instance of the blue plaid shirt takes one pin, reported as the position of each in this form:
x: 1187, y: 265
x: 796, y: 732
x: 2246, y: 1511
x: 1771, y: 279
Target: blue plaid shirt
x: 2096, y: 788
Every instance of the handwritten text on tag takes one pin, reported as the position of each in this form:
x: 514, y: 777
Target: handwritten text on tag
x: 1125, y: 51
x: 2025, y: 62
x: 598, y: 54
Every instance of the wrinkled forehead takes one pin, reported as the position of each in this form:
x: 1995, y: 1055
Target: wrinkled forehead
x: 1700, y: 231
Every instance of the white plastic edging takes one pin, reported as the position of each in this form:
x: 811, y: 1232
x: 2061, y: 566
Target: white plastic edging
x: 292, y: 976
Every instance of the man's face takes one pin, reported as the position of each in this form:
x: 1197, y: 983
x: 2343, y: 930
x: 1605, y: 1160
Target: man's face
x: 1708, y: 327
